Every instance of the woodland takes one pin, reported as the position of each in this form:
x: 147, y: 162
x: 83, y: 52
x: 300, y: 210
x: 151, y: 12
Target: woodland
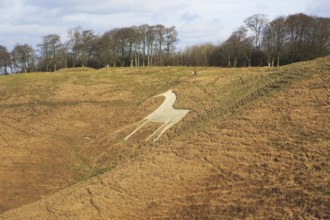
x: 258, y: 42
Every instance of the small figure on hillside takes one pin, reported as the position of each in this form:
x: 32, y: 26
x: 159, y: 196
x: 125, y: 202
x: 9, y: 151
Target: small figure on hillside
x: 194, y: 73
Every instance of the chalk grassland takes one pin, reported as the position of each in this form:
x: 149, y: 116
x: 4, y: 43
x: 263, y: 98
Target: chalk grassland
x: 255, y: 144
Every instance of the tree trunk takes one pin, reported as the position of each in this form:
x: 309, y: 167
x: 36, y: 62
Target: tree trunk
x: 65, y: 61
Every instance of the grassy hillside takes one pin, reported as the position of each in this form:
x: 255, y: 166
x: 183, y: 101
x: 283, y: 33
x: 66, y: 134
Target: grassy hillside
x: 254, y: 145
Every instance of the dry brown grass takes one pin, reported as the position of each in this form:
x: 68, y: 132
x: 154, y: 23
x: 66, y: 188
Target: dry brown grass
x: 254, y: 145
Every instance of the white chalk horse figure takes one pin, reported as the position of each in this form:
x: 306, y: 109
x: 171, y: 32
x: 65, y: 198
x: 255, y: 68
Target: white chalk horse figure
x: 165, y: 114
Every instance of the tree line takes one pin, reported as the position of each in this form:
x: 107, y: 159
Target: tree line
x: 284, y: 40
x: 144, y: 45
x: 258, y: 42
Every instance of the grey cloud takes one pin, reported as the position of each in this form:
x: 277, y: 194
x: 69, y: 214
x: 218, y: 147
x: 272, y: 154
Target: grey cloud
x: 187, y: 16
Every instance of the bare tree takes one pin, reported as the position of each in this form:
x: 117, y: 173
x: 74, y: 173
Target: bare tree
x: 298, y: 27
x: 4, y: 60
x: 269, y: 44
x: 321, y: 37
x: 171, y: 38
x: 74, y: 44
x: 247, y: 45
x: 133, y: 39
x: 256, y: 23
x: 81, y: 45
x: 143, y: 29
x: 88, y: 40
x: 107, y: 49
x: 151, y: 40
x: 159, y: 34
x: 23, y: 58
x: 278, y: 28
x: 238, y: 47
x: 50, y: 47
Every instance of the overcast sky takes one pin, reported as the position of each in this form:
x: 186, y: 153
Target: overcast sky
x: 197, y: 21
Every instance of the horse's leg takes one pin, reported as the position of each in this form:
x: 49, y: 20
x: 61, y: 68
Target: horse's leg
x: 168, y: 125
x: 136, y: 129
x: 157, y: 130
x: 130, y: 125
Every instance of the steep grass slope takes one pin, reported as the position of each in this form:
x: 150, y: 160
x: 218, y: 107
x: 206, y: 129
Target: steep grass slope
x: 254, y: 145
